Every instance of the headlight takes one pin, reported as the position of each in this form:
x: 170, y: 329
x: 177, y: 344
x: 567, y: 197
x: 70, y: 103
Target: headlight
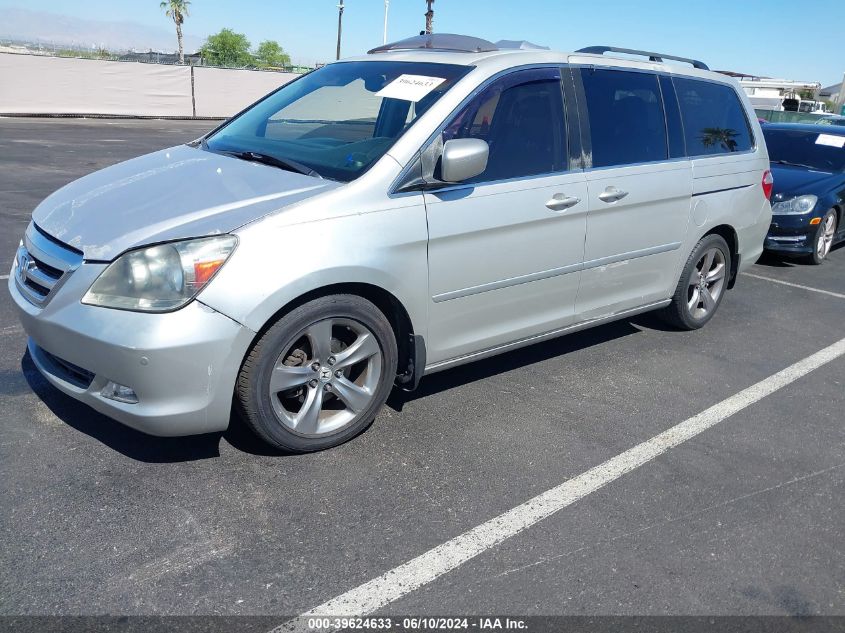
x: 160, y: 278
x: 795, y: 206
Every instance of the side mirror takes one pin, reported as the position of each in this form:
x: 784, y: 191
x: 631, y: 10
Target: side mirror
x: 463, y: 158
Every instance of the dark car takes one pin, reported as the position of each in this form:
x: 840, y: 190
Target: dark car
x: 808, y: 201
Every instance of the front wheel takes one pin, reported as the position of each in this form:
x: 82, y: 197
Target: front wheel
x: 319, y: 375
x: 823, y: 238
x: 702, y: 285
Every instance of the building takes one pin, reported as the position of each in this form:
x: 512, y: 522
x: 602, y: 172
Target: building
x: 831, y: 93
x: 766, y: 93
x: 836, y: 95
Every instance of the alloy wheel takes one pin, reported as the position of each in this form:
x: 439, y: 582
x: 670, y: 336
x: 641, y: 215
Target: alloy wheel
x: 706, y: 283
x: 825, y: 239
x: 327, y: 377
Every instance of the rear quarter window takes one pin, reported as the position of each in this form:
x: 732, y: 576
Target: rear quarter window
x: 713, y: 117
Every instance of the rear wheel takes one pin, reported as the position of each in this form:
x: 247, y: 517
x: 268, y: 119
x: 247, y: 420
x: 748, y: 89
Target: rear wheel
x: 702, y: 285
x: 823, y: 239
x: 319, y: 375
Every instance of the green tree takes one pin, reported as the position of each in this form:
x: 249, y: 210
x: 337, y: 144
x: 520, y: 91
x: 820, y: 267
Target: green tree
x: 177, y: 10
x: 271, y: 54
x: 227, y: 48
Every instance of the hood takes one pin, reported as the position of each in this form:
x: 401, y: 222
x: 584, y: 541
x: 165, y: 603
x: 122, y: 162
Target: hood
x: 181, y: 192
x: 795, y: 181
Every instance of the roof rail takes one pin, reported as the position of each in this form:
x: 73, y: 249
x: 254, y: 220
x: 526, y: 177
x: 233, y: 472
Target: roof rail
x: 439, y: 42
x: 654, y: 57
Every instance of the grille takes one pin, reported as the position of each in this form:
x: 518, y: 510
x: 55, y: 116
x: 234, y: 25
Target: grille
x: 42, y: 264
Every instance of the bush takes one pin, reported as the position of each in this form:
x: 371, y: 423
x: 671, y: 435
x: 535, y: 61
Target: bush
x: 227, y: 48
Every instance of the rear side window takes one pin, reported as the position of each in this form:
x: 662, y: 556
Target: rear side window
x: 625, y: 111
x: 521, y: 117
x: 713, y: 116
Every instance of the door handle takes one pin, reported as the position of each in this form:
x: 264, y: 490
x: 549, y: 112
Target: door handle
x: 559, y: 202
x: 612, y: 194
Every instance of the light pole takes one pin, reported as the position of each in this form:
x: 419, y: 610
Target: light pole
x: 429, y: 18
x: 339, y: 26
x: 386, y: 9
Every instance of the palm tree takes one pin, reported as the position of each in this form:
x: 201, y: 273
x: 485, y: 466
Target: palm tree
x: 713, y: 136
x: 429, y: 18
x: 177, y: 10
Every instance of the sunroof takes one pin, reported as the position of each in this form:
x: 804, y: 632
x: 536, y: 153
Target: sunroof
x: 439, y: 42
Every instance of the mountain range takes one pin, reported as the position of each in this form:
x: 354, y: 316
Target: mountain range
x: 53, y: 28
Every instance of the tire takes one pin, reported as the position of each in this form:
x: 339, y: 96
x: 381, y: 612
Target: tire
x: 823, y: 238
x: 696, y: 299
x: 319, y: 376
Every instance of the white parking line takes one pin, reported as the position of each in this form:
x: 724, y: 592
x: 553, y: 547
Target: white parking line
x: 792, y: 285
x: 4, y: 276
x: 423, y: 569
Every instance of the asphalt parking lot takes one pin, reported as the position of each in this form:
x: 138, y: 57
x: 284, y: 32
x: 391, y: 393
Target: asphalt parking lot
x: 745, y: 518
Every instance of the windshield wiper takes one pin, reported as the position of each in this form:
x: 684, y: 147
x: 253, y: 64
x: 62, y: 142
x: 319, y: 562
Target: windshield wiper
x: 791, y: 164
x: 281, y: 163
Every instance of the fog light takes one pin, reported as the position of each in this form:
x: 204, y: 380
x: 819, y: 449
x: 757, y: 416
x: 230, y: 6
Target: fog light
x: 121, y: 393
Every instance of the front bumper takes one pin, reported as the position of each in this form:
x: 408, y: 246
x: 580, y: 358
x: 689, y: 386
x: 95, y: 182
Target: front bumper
x: 791, y: 235
x: 182, y: 365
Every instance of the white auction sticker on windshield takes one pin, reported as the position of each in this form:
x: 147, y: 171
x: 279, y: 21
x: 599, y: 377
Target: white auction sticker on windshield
x: 410, y: 87
x: 831, y: 140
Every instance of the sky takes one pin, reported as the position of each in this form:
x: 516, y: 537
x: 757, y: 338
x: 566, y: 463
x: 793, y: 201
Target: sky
x: 777, y: 38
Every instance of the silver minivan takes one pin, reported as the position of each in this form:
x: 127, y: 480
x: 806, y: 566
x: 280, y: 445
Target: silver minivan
x: 434, y: 202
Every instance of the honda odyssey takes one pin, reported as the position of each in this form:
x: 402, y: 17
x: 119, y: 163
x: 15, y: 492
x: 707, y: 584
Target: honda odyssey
x: 434, y: 202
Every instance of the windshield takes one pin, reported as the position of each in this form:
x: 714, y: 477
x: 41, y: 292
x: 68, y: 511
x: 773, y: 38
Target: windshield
x: 337, y: 120
x: 823, y: 152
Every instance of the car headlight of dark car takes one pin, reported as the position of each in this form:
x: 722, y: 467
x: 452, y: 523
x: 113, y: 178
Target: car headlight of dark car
x: 800, y: 205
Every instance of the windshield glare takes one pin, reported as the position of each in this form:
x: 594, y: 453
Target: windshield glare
x: 339, y: 119
x: 806, y: 148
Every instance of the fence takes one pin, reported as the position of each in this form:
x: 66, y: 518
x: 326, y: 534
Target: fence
x: 43, y: 85
x: 775, y: 116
